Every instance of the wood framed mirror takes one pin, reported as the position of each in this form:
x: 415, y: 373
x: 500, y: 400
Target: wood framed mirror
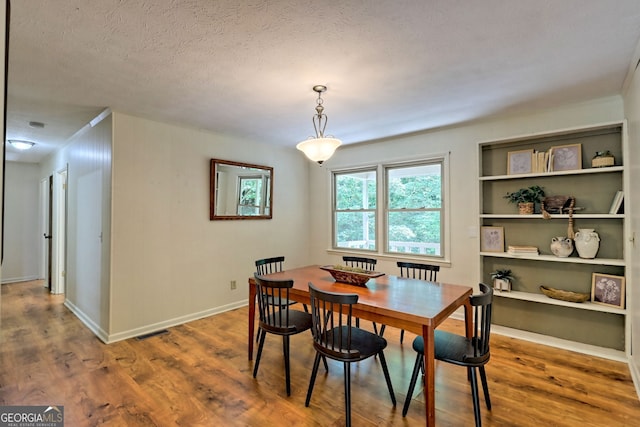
x: 240, y: 191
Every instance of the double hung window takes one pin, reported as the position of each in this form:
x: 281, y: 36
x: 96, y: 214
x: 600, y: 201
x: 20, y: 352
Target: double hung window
x: 409, y: 221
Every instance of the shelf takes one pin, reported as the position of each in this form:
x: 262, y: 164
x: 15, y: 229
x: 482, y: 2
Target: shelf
x: 553, y: 258
x: 543, y: 299
x: 547, y: 174
x: 554, y: 216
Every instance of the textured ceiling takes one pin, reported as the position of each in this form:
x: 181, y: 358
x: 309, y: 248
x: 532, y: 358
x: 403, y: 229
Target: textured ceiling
x: 246, y: 68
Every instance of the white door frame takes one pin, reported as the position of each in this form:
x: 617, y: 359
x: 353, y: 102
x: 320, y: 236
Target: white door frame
x: 59, y: 261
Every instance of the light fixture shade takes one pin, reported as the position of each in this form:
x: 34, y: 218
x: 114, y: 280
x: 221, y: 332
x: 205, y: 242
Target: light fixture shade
x: 21, y: 145
x: 319, y: 149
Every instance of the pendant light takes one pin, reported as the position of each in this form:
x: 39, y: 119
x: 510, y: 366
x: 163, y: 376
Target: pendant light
x: 319, y: 148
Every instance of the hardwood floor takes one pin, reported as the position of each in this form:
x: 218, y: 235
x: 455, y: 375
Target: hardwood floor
x: 198, y: 374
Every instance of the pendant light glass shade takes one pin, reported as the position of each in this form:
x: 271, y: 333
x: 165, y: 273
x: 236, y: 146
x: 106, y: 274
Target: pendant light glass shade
x: 319, y: 148
x: 21, y: 145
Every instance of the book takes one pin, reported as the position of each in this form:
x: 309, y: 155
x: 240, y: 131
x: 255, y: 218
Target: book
x: 522, y: 250
x: 616, y: 203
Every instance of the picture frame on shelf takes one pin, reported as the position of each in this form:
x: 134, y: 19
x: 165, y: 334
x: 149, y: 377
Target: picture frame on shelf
x: 492, y: 239
x: 607, y: 289
x: 519, y: 162
x: 566, y: 157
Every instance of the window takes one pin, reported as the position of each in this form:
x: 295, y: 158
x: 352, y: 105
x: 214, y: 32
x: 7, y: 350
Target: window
x: 253, y: 195
x: 354, y: 209
x: 414, y: 209
x: 410, y: 221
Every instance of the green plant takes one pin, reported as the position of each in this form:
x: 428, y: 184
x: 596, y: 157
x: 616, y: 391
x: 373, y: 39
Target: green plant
x: 503, y: 274
x: 533, y: 194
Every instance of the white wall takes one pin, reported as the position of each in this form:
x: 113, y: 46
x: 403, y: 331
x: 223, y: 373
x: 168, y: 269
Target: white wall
x: 88, y: 159
x: 22, y: 232
x: 170, y: 263
x: 632, y: 111
x: 461, y: 142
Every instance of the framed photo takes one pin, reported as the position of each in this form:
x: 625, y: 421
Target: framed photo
x: 492, y: 239
x: 607, y: 289
x: 519, y: 162
x: 567, y: 157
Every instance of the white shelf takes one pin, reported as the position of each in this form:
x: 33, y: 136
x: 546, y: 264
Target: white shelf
x: 553, y: 216
x: 553, y: 258
x: 545, y: 174
x: 543, y: 299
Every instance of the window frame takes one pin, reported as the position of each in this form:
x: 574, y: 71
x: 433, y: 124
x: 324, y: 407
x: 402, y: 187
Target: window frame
x: 386, y: 210
x: 381, y: 211
x: 334, y: 244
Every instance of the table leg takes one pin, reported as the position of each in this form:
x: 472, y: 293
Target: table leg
x: 252, y: 316
x: 429, y: 374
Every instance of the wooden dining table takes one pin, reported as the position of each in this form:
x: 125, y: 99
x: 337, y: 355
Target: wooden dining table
x: 410, y: 304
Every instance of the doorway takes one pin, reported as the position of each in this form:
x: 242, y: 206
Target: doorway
x: 54, y: 224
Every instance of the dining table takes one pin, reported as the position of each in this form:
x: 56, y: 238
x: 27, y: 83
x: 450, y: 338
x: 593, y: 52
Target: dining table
x: 413, y: 305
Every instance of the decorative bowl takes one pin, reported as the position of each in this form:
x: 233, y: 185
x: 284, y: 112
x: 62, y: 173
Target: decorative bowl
x: 351, y: 275
x: 565, y: 295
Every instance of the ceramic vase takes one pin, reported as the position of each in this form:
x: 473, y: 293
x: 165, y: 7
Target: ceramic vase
x: 587, y: 243
x: 561, y: 246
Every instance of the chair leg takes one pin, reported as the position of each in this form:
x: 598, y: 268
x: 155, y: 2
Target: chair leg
x: 382, y: 329
x: 262, y: 334
x: 347, y: 393
x: 412, y: 384
x: 287, y: 369
x: 474, y: 395
x: 385, y: 370
x: 401, y: 336
x: 312, y: 380
x: 485, y: 387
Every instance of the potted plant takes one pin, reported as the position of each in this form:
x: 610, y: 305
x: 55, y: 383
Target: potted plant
x: 502, y: 279
x: 526, y: 198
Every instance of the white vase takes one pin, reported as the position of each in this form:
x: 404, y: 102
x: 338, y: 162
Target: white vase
x: 587, y: 243
x: 561, y: 246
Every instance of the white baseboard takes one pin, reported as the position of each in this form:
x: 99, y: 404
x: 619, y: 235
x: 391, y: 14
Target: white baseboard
x: 87, y: 321
x: 19, y: 279
x: 147, y: 329
x: 592, y: 350
x: 635, y: 375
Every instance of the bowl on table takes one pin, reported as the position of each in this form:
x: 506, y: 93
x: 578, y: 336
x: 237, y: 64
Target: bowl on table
x: 351, y: 275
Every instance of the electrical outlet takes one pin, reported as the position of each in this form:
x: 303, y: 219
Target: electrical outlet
x: 233, y: 284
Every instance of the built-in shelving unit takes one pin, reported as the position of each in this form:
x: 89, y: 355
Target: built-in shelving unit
x: 525, y: 307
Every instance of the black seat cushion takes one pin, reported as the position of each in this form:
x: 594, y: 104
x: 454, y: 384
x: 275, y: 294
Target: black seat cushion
x: 364, y: 344
x: 452, y: 348
x: 299, y: 321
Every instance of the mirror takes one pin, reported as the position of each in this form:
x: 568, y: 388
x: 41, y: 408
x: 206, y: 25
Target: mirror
x: 240, y: 190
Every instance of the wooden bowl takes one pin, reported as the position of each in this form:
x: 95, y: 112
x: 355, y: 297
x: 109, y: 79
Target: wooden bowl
x: 356, y: 276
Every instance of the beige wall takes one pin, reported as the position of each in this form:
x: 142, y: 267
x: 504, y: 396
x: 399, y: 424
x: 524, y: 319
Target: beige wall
x: 170, y: 263
x: 88, y: 159
x: 461, y: 142
x: 22, y: 238
x: 632, y: 112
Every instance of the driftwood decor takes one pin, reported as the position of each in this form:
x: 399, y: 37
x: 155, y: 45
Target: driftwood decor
x: 559, y: 205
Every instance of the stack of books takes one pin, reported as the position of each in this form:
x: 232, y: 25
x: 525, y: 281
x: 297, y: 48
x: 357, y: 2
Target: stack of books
x: 522, y: 250
x: 542, y: 161
x: 617, y: 202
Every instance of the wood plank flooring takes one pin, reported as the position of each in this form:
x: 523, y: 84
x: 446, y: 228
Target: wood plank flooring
x: 198, y: 375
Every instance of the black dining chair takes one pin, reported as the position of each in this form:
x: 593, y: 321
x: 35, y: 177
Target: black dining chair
x: 268, y: 266
x: 473, y: 353
x: 418, y: 271
x: 368, y: 264
x: 335, y: 337
x: 278, y: 320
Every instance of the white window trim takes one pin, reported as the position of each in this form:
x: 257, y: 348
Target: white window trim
x: 379, y: 253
